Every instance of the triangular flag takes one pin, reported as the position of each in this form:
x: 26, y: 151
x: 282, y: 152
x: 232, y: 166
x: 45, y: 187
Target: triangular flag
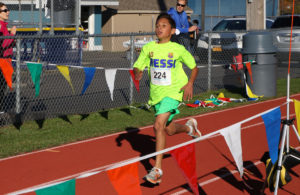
x: 89, y: 75
x: 248, y: 65
x: 233, y: 66
x: 35, y: 70
x: 64, y: 70
x: 125, y: 179
x: 65, y: 188
x: 7, y: 70
x: 272, y: 121
x: 186, y: 160
x: 232, y: 135
x: 297, y: 112
x: 136, y: 82
x: 110, y: 79
x: 249, y: 92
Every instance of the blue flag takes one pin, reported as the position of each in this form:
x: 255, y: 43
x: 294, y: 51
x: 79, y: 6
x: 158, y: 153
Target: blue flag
x: 89, y: 74
x: 272, y: 122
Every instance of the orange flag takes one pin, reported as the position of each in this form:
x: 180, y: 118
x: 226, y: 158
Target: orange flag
x: 136, y: 82
x: 125, y: 179
x: 248, y: 65
x: 7, y: 70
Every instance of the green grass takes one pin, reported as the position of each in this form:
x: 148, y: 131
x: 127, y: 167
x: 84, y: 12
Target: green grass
x: 57, y: 131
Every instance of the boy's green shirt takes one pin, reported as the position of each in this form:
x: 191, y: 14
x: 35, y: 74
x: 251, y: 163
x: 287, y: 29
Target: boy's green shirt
x: 166, y: 74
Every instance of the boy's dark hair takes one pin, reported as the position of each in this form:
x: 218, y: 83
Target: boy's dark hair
x: 1, y: 4
x: 168, y: 17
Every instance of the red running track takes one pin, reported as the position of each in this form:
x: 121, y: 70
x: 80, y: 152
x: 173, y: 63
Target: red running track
x: 216, y: 169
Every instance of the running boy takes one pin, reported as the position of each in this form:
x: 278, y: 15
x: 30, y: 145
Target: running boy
x: 169, y: 85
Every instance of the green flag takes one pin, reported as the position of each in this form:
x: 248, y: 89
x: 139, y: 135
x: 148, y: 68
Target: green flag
x: 65, y: 188
x: 35, y: 70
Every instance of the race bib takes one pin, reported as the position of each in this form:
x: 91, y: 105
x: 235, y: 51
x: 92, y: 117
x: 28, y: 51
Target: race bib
x: 160, y: 76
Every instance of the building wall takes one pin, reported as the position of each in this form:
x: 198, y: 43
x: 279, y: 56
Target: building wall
x: 126, y: 23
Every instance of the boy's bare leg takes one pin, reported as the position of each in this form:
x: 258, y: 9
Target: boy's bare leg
x: 159, y: 128
x: 174, y: 128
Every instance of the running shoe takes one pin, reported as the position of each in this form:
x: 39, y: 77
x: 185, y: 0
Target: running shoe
x: 195, y: 133
x: 154, y: 176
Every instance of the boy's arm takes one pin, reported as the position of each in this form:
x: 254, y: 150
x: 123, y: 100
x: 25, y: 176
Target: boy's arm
x: 138, y: 74
x: 188, y: 88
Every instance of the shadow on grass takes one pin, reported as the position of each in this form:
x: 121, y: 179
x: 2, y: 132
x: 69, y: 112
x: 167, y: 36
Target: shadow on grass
x: 17, y: 120
x: 126, y: 110
x: 104, y: 114
x: 84, y: 116
x: 65, y: 118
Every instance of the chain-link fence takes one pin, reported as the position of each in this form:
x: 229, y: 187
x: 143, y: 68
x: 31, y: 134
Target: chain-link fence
x: 61, y: 91
x: 43, y: 13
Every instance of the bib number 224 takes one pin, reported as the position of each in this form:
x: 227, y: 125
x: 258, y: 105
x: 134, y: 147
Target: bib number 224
x: 160, y: 76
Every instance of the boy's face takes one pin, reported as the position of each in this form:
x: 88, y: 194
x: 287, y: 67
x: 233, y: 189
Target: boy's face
x: 163, y: 30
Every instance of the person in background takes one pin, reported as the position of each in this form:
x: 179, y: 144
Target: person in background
x: 183, y: 27
x: 189, y: 20
x: 6, y: 52
x: 169, y: 85
x: 196, y: 23
x: 191, y: 34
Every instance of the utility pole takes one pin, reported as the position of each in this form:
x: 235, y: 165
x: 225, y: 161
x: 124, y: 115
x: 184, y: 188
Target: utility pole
x: 256, y: 14
x: 203, y: 15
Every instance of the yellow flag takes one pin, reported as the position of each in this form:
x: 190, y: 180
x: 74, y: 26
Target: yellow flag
x: 64, y: 70
x: 221, y: 95
x: 297, y: 112
x: 249, y: 92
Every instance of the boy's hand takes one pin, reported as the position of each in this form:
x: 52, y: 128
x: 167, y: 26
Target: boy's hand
x: 137, y: 74
x: 187, y: 91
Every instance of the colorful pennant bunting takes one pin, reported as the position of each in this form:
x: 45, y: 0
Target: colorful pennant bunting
x: 249, y: 92
x: 186, y: 160
x: 64, y: 70
x: 110, y: 79
x: 125, y: 179
x: 7, y: 70
x: 35, y: 70
x: 136, y: 82
x: 65, y: 188
x: 89, y: 75
x: 272, y: 122
x: 248, y: 65
x: 232, y: 135
x: 297, y: 112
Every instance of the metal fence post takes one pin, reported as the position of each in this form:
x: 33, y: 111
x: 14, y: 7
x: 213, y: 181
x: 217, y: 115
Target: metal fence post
x: 131, y: 66
x: 52, y: 17
x: 40, y: 17
x: 77, y: 16
x: 18, y: 76
x: 209, y: 63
